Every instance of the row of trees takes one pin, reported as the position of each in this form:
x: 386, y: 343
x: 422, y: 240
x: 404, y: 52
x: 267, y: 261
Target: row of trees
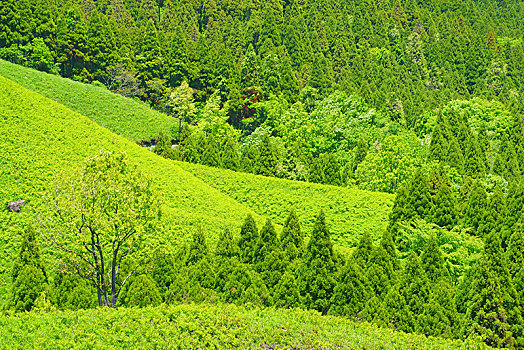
x: 416, y: 294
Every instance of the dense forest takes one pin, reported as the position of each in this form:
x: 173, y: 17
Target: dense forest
x: 418, y: 99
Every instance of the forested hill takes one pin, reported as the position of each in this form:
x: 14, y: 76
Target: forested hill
x: 403, y: 57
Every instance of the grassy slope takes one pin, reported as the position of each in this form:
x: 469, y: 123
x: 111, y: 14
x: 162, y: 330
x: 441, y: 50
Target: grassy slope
x: 350, y: 212
x: 204, y: 327
x: 127, y: 117
x: 40, y: 138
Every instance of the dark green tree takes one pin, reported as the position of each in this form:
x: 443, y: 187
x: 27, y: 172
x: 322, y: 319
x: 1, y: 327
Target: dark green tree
x: 267, y: 158
x: 362, y: 254
x: 28, y: 275
x: 226, y: 245
x: 292, y: 238
x: 198, y: 249
x: 318, y: 274
x: 477, y: 204
x: 432, y: 260
x: 248, y: 240
x: 444, y: 210
x: 351, y: 292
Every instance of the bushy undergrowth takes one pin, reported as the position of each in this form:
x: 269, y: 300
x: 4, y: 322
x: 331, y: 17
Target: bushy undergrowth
x: 204, y: 327
x: 127, y: 117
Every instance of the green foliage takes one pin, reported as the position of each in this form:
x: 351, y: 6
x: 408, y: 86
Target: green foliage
x: 206, y: 326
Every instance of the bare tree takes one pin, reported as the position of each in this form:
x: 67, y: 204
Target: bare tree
x: 101, y: 222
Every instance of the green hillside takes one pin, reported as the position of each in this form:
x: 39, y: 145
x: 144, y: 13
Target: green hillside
x: 204, y: 327
x: 350, y: 212
x: 127, y: 117
x: 40, y: 138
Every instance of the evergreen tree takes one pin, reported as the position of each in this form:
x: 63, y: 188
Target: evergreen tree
x: 477, y: 204
x: 439, y: 146
x: 267, y: 241
x: 316, y: 174
x: 226, y: 246
x: 248, y: 240
x: 401, y: 211
x: 444, y: 210
x: 330, y: 170
x: 360, y: 153
x: 351, y: 292
x: 487, y: 311
x: 318, y: 280
x: 493, y: 219
x: 364, y: 250
x: 475, y: 160
x: 141, y: 292
x: 230, y: 156
x: 380, y: 272
x: 440, y: 317
x: 163, y: 146
x: 414, y: 286
x: 28, y: 275
x: 210, y: 156
x: 419, y: 196
x: 267, y: 159
x: 287, y: 291
x: 198, y: 249
x: 292, y: 238
x: 432, y: 260
x: 514, y: 211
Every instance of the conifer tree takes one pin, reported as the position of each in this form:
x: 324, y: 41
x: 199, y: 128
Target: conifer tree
x: 360, y: 153
x: 198, y: 249
x: 493, y: 219
x: 396, y: 313
x: 474, y: 159
x: 163, y: 146
x: 330, y: 170
x: 401, y: 211
x: 267, y: 241
x: 141, y: 292
x: 316, y: 171
x: 432, y: 260
x: 477, y: 204
x: 388, y: 244
x: 248, y: 240
x: 514, y: 211
x: 380, y: 272
x: 439, y: 146
x: 414, y: 285
x: 292, y: 238
x: 487, y: 311
x: 210, y: 155
x: 440, y: 316
x: 226, y: 246
x: 267, y: 158
x: 318, y: 278
x: 28, y: 275
x: 230, y: 158
x: 444, y: 211
x: 455, y: 154
x: 287, y: 291
x: 419, y: 196
x: 364, y: 250
x: 515, y: 251
x: 351, y: 291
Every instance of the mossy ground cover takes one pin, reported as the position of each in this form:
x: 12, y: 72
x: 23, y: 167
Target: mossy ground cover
x: 204, y: 327
x: 127, y: 117
x: 349, y: 212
